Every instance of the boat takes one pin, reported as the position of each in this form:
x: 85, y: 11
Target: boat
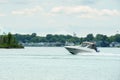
x: 85, y: 47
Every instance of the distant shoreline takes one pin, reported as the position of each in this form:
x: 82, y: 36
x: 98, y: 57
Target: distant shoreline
x: 101, y: 40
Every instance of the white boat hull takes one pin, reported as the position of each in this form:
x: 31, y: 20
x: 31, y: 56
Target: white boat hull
x: 77, y: 49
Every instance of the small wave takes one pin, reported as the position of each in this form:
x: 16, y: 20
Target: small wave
x: 99, y: 54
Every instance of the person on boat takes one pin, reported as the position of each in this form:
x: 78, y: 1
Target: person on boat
x: 95, y: 47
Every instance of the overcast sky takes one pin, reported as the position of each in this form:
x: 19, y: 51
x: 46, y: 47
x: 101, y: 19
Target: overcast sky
x: 60, y: 16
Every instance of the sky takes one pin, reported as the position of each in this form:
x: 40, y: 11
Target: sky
x: 60, y: 17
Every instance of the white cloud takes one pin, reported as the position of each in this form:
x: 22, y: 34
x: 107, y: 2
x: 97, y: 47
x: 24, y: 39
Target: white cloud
x: 27, y: 11
x: 1, y: 14
x: 83, y: 11
x: 109, y: 12
x: 79, y: 11
x: 3, y: 1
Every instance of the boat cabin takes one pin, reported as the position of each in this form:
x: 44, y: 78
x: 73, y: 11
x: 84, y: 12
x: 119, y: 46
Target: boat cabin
x: 89, y: 45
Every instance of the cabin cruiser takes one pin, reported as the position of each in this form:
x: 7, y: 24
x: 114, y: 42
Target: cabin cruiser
x: 85, y: 47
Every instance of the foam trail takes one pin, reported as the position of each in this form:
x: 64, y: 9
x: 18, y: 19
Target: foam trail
x: 100, y: 54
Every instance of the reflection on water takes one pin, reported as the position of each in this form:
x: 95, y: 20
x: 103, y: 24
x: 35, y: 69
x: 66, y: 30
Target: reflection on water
x: 56, y: 63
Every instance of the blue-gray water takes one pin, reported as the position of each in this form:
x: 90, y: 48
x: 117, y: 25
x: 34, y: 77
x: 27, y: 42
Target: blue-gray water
x: 56, y: 63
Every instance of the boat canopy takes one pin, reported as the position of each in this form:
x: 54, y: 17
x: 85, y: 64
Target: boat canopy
x: 89, y: 45
x: 86, y: 44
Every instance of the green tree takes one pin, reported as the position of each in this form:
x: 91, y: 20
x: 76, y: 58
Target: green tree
x: 10, y: 38
x: 89, y: 37
x: 33, y: 35
x: 117, y: 38
x: 102, y: 40
x: 9, y: 41
x: 100, y: 37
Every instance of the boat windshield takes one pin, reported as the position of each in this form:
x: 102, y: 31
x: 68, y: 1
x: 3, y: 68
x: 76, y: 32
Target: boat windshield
x: 89, y: 45
x: 86, y: 44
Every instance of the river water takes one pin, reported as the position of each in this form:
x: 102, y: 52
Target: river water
x: 56, y: 63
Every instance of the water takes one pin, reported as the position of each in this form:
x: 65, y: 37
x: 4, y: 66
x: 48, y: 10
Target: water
x: 56, y: 63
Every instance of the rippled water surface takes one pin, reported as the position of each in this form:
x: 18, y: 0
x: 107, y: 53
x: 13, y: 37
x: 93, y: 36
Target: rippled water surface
x: 56, y: 63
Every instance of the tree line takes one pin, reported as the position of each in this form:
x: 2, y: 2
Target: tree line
x: 9, y: 41
x: 100, y: 39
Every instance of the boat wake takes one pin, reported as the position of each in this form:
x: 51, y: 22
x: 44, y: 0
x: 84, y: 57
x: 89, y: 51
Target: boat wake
x: 99, y: 54
x: 79, y: 56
